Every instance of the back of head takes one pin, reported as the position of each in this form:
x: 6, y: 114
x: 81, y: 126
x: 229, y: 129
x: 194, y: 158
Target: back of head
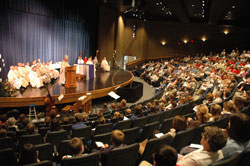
x: 28, y: 154
x: 76, y: 146
x: 217, y: 139
x: 117, y: 137
x: 210, y: 97
x: 78, y: 117
x: 3, y: 133
x: 230, y: 107
x: 239, y: 128
x: 215, y: 110
x: 30, y: 128
x: 179, y: 123
x: 165, y: 156
x: 55, y: 125
x: 11, y: 121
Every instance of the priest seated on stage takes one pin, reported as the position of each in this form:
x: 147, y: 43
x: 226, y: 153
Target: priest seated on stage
x: 105, y: 65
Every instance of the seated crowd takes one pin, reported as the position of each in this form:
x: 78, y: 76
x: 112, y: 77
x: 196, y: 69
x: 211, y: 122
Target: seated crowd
x: 211, y: 80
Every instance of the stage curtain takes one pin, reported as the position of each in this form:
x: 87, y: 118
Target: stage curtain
x: 46, y: 29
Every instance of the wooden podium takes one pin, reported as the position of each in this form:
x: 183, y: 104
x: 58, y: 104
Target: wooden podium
x: 85, y: 104
x: 70, y: 74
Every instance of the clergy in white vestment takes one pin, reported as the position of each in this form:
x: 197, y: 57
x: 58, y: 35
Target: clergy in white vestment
x: 13, y: 78
x: 95, y: 61
x: 64, y: 64
x: 89, y: 62
x: 79, y: 62
x: 35, y: 80
x: 105, y: 64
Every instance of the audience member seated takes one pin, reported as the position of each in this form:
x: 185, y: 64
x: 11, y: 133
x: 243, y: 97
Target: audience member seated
x: 12, y: 124
x: 79, y: 123
x: 202, y: 116
x: 76, y: 146
x: 213, y: 140
x: 242, y: 100
x: 28, y: 155
x: 165, y: 156
x: 3, y: 133
x: 55, y: 126
x: 179, y: 124
x: 228, y: 108
x: 31, y: 129
x: 209, y: 99
x: 117, y: 138
x: 123, y: 104
x: 215, y: 111
x: 217, y: 97
x: 239, y: 134
x: 4, y: 119
x: 137, y: 112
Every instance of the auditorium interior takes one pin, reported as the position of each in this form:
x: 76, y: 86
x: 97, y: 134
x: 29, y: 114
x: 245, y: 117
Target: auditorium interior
x: 124, y: 82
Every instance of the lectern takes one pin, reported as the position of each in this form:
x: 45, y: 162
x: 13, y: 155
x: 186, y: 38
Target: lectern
x: 70, y: 73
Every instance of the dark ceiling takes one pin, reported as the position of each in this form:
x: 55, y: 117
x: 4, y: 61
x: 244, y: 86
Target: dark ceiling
x: 222, y: 12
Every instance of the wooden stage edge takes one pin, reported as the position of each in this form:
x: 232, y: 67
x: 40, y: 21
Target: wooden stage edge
x: 12, y: 102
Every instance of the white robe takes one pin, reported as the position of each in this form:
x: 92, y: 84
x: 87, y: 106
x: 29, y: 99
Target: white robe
x: 62, y: 72
x: 105, y: 65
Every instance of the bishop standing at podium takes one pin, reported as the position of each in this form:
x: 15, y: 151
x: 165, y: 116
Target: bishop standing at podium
x: 64, y: 64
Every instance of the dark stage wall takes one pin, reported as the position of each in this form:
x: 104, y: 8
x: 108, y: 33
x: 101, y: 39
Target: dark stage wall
x: 47, y: 29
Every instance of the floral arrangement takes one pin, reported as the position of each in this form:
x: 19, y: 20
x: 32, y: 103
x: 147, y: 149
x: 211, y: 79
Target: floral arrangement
x: 6, y: 89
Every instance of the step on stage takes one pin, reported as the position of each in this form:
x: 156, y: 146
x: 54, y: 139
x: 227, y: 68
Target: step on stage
x: 100, y: 86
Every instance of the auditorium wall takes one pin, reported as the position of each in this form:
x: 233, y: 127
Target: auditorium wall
x: 115, y: 33
x: 174, y: 33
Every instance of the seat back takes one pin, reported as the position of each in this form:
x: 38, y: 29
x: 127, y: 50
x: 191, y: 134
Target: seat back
x: 43, y: 131
x: 231, y: 160
x: 222, y: 123
x: 125, y: 124
x: 82, y: 132
x: 183, y: 138
x: 56, y: 137
x: 244, y: 157
x: 154, y: 118
x: 148, y: 130
x: 153, y: 145
x: 7, y: 142
x: 123, y: 156
x: 140, y: 122
x: 131, y: 135
x: 104, y: 138
x: 166, y: 125
x: 67, y: 127
x: 42, y: 163
x: 45, y: 151
x: 8, y: 157
x: 91, y: 159
x: 33, y: 139
x: 197, y: 135
x: 103, y: 128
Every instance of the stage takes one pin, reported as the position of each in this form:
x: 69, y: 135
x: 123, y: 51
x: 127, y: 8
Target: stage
x: 100, y: 86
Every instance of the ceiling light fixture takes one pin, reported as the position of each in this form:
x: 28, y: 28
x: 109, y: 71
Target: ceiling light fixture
x: 226, y: 32
x: 203, y: 38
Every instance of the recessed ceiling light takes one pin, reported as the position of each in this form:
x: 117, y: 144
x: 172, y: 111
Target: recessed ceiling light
x: 192, y: 5
x: 233, y: 7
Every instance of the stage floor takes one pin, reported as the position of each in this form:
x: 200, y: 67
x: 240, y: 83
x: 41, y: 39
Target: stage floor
x: 100, y: 86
